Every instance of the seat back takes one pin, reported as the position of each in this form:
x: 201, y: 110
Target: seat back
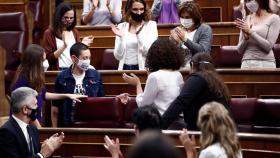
x: 99, y: 112
x: 129, y: 109
x: 243, y: 113
x: 14, y: 39
x: 276, y: 50
x: 36, y: 7
x: 268, y: 116
x: 228, y: 57
x: 109, y: 62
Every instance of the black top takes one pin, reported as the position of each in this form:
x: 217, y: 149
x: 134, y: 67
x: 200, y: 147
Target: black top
x: 194, y: 94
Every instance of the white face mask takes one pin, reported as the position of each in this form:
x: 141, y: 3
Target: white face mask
x: 187, y: 23
x: 45, y: 65
x: 84, y: 64
x: 252, y: 6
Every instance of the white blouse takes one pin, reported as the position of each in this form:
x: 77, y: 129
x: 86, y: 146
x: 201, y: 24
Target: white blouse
x: 215, y: 151
x: 162, y: 87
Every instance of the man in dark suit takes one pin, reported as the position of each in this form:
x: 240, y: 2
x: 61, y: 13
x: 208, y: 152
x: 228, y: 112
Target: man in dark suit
x: 19, y: 139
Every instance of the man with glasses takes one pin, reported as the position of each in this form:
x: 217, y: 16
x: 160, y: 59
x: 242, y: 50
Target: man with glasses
x: 20, y: 139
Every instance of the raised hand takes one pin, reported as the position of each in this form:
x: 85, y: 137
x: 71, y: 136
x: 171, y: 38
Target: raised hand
x: 175, y: 37
x: 112, y: 146
x: 64, y: 38
x: 188, y: 143
x: 88, y: 40
x: 243, y: 25
x: 181, y: 33
x: 132, y: 79
x: 117, y: 31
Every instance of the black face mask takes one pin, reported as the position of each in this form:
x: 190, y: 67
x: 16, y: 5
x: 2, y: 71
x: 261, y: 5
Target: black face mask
x: 137, y: 17
x: 34, y: 114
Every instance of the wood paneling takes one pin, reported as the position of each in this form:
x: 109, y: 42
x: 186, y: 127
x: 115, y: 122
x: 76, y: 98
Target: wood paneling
x: 246, y: 83
x: 89, y: 141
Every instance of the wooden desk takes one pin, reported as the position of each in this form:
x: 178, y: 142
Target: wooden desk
x: 241, y: 83
x: 89, y: 141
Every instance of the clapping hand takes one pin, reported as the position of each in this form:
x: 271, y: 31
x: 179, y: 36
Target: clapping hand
x: 88, y: 40
x: 188, y: 143
x: 117, y: 31
x: 175, y: 37
x: 112, y: 146
x: 132, y: 79
x: 243, y: 25
x: 51, y: 144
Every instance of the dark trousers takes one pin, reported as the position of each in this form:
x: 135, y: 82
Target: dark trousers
x: 130, y: 67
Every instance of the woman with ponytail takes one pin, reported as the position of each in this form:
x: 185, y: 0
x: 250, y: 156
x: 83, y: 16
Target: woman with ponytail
x: 202, y: 85
x: 218, y: 134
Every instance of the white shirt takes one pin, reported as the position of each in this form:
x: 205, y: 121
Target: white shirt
x: 64, y: 60
x: 162, y: 87
x: 132, y: 49
x: 215, y: 151
x: 188, y: 35
x: 79, y: 89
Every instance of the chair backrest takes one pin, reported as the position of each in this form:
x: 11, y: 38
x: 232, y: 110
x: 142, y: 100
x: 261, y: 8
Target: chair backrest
x: 36, y: 7
x: 129, y: 109
x: 243, y: 113
x: 276, y: 50
x: 228, y: 57
x: 99, y: 112
x: 13, y: 37
x: 109, y: 62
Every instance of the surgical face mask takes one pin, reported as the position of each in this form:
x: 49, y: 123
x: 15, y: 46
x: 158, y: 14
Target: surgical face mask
x: 252, y: 6
x: 186, y: 23
x: 83, y: 64
x: 45, y: 65
x: 137, y: 17
x: 34, y: 113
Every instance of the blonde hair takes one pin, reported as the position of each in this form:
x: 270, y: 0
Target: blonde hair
x: 217, y: 126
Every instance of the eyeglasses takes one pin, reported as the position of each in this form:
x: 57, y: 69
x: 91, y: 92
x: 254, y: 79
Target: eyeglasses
x: 68, y: 18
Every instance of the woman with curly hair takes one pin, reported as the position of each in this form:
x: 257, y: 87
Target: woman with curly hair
x: 164, y: 81
x: 218, y: 134
x: 203, y: 85
x: 134, y: 36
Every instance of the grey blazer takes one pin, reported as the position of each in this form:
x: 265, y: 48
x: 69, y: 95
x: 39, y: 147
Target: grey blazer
x: 202, y: 40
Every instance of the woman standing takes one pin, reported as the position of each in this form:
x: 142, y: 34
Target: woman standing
x: 166, y: 11
x: 59, y: 38
x: 193, y: 35
x: 135, y: 36
x: 258, y: 34
x: 202, y: 85
x: 102, y: 12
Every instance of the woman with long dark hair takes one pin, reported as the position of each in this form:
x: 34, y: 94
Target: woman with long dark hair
x: 202, y: 85
x: 62, y: 34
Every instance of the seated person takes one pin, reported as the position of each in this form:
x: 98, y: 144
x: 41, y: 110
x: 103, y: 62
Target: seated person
x: 146, y: 119
x: 77, y: 79
x: 19, y: 138
x: 218, y: 134
x: 102, y: 12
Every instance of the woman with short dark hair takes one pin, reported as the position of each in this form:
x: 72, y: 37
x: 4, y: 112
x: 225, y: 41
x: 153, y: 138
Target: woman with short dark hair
x: 164, y: 81
x: 193, y: 35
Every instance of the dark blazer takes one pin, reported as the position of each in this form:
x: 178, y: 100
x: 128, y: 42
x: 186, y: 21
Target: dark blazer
x: 13, y: 143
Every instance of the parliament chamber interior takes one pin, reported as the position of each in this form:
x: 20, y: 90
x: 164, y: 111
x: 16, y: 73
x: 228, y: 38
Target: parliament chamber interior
x: 255, y: 93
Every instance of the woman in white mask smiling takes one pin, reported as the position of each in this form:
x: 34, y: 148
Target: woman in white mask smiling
x: 193, y: 35
x: 258, y: 34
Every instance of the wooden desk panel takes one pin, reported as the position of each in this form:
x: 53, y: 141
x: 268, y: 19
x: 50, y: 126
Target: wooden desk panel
x: 243, y: 83
x: 89, y: 141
